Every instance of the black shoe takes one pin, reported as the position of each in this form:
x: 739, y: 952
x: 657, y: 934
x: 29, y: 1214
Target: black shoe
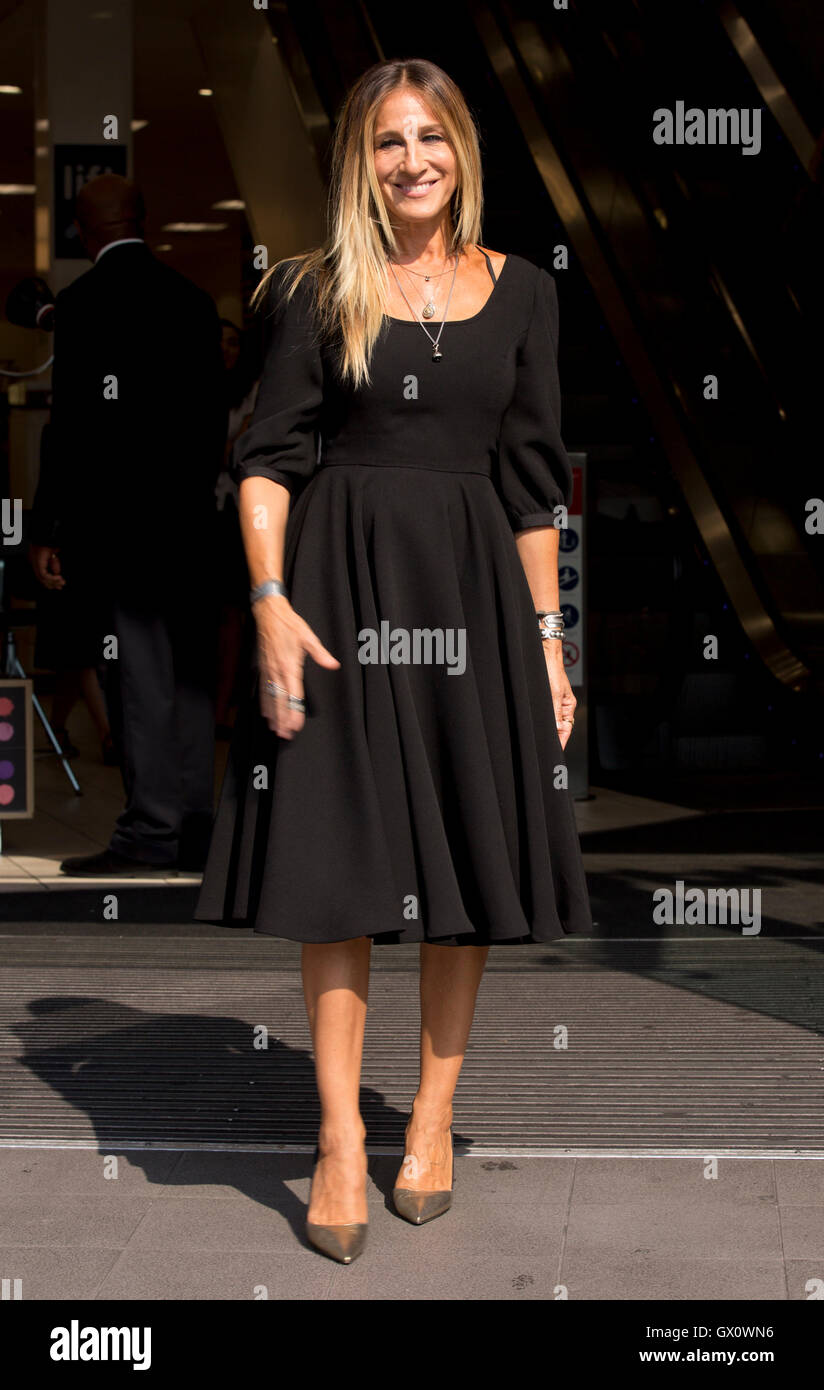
x: 108, y: 863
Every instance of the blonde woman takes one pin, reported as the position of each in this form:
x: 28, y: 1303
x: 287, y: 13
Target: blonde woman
x: 401, y: 482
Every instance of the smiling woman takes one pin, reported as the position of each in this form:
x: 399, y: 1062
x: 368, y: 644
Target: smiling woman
x: 401, y: 478
x: 406, y: 167
x: 420, y: 144
x: 417, y: 170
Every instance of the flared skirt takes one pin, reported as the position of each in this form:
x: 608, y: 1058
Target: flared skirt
x: 425, y: 798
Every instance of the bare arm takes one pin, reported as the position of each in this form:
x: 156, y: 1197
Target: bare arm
x: 284, y: 639
x: 538, y: 549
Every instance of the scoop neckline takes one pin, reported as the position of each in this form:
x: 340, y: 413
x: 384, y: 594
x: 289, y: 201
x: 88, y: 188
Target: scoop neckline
x: 451, y: 323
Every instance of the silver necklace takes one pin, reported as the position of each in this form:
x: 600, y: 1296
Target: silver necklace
x: 429, y: 305
x: 421, y: 275
x: 429, y: 308
x: 436, y: 352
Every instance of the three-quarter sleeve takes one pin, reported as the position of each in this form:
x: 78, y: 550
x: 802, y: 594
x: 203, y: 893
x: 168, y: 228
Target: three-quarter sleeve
x: 535, y: 474
x: 281, y: 442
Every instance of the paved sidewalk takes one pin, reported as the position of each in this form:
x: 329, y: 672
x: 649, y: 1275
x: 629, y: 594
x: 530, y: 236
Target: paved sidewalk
x: 227, y: 1226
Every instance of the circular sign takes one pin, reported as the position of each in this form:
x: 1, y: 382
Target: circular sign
x: 567, y: 577
x: 569, y: 540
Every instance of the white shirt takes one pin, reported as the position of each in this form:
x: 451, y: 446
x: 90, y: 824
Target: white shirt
x: 121, y: 241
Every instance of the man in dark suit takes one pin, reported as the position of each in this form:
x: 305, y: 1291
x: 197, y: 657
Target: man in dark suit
x: 125, y: 511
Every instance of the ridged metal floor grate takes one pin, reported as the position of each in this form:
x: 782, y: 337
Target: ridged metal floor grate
x: 702, y: 1045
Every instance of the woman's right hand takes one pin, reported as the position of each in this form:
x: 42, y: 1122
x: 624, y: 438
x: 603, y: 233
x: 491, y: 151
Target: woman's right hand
x: 284, y: 642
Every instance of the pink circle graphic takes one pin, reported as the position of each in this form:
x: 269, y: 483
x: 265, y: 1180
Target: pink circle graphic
x: 6, y: 705
x: 6, y: 731
x: 6, y: 793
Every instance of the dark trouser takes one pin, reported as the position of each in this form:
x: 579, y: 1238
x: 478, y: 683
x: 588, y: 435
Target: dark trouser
x: 162, y: 712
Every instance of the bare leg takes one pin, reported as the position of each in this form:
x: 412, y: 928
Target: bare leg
x: 450, y: 978
x: 335, y: 988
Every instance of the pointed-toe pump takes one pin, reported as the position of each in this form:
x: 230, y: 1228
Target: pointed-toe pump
x: 418, y: 1207
x: 343, y: 1242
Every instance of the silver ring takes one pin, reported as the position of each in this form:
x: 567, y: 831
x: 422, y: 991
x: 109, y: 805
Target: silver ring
x: 292, y: 701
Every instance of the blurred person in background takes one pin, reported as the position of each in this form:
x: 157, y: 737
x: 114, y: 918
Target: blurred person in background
x: 70, y: 627
x: 138, y: 426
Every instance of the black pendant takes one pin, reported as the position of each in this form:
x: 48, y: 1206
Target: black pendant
x: 436, y: 353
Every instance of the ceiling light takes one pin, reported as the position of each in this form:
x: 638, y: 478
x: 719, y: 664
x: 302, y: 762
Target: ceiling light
x: 139, y: 125
x: 195, y: 226
x: 229, y: 205
x: 12, y: 91
x: 205, y: 92
x: 17, y: 188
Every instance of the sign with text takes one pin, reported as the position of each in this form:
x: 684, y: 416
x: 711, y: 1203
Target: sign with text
x: 75, y: 165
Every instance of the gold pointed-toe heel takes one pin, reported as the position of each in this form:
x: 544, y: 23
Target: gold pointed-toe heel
x: 343, y: 1242
x: 418, y: 1207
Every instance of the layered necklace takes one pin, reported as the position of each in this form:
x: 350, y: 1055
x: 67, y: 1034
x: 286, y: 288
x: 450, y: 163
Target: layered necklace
x: 428, y: 310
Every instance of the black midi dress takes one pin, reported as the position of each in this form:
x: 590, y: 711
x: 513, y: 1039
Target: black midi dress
x: 424, y: 799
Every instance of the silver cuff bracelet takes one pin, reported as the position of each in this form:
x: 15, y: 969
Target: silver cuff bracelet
x: 551, y: 625
x: 269, y: 586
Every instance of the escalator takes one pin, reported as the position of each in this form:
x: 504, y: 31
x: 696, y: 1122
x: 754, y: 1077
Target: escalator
x: 696, y: 249
x: 680, y: 270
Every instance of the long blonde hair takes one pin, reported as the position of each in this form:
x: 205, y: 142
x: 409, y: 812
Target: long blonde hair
x: 348, y: 272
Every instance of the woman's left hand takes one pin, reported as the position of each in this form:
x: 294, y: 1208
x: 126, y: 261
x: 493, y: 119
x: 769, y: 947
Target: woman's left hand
x: 563, y: 700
